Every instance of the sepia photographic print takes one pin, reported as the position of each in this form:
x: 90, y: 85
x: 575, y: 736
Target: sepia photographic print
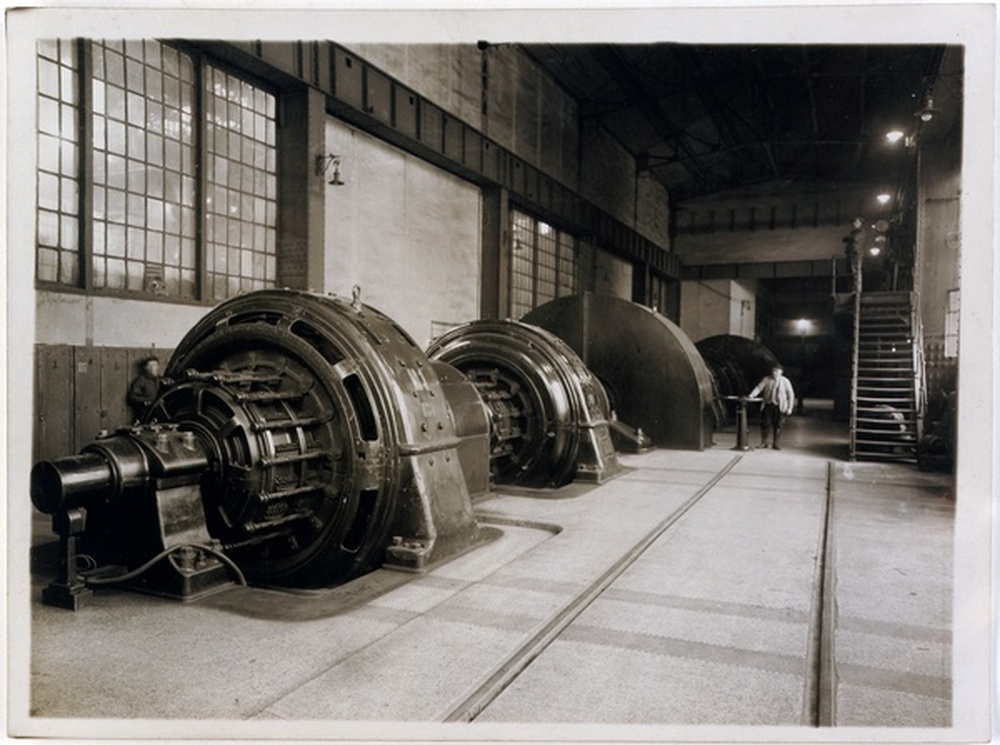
x: 579, y: 373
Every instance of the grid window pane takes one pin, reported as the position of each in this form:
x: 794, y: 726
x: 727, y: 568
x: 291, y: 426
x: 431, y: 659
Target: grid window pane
x: 522, y: 264
x: 48, y: 265
x: 148, y: 153
x: 143, y: 117
x: 566, y: 277
x: 543, y: 263
x: 546, y: 243
x: 58, y: 192
x: 239, y: 221
x: 951, y: 320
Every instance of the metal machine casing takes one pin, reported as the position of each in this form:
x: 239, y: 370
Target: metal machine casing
x: 328, y: 444
x: 549, y: 414
x: 736, y: 364
x: 654, y: 376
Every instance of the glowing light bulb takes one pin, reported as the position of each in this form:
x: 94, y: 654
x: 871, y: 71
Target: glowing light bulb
x: 894, y: 136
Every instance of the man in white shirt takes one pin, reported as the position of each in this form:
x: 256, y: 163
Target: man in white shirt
x: 778, y: 402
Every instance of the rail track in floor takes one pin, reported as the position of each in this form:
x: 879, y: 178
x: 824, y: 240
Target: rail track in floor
x: 691, y: 590
x: 818, y: 700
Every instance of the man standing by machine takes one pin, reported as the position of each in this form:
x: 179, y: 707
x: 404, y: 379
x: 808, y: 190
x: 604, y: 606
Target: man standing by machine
x: 145, y: 387
x: 778, y: 402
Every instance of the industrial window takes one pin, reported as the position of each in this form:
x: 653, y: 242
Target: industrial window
x: 658, y: 292
x: 241, y: 203
x: 543, y: 263
x: 58, y: 185
x: 951, y: 325
x: 144, y: 169
x: 147, y: 156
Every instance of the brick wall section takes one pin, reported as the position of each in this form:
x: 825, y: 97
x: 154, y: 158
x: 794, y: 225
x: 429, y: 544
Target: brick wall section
x: 607, y: 174
x: 652, y: 209
x: 448, y: 74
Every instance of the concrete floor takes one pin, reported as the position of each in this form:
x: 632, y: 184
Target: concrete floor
x: 554, y: 623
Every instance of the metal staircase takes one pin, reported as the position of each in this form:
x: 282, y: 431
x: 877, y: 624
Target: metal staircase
x: 887, y: 381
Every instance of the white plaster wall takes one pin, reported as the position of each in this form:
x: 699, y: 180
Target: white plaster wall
x: 406, y: 232
x: 67, y: 318
x: 939, y: 237
x: 743, y: 308
x: 704, y: 308
x: 718, y: 306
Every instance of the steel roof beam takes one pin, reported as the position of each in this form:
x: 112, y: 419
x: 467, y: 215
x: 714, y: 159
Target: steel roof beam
x: 613, y: 60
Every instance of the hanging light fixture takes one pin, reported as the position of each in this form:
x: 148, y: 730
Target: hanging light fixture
x: 323, y: 163
x: 927, y: 112
x: 894, y: 136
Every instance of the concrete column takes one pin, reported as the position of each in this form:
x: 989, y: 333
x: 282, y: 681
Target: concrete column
x: 494, y: 296
x: 301, y: 190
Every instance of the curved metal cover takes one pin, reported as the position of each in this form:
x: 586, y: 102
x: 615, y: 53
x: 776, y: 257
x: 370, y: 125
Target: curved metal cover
x: 743, y: 358
x: 549, y: 412
x: 393, y: 475
x: 653, y: 373
x: 736, y: 364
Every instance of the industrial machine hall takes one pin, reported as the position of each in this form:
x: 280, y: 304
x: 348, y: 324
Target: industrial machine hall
x: 553, y: 375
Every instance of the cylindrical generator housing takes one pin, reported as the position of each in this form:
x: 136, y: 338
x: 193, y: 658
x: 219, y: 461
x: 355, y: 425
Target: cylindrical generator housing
x: 330, y: 443
x: 736, y: 364
x: 655, y: 378
x: 549, y: 414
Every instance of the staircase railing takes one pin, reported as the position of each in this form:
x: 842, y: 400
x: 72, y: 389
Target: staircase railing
x: 919, y: 365
x: 855, y: 353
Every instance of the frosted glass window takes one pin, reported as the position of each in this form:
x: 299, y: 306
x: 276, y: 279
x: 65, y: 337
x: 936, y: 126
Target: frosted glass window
x: 145, y: 145
x: 566, y: 283
x: 543, y: 263
x: 241, y: 199
x: 138, y: 155
x: 951, y: 325
x: 58, y: 186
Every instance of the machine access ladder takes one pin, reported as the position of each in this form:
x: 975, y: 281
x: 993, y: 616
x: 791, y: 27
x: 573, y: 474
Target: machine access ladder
x: 887, y: 380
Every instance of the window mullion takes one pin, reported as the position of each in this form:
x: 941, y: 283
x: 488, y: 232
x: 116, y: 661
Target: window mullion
x: 85, y: 156
x: 202, y: 289
x: 558, y: 252
x: 509, y: 248
x: 534, y: 263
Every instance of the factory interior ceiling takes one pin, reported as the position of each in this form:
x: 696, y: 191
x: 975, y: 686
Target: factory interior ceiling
x: 708, y: 119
